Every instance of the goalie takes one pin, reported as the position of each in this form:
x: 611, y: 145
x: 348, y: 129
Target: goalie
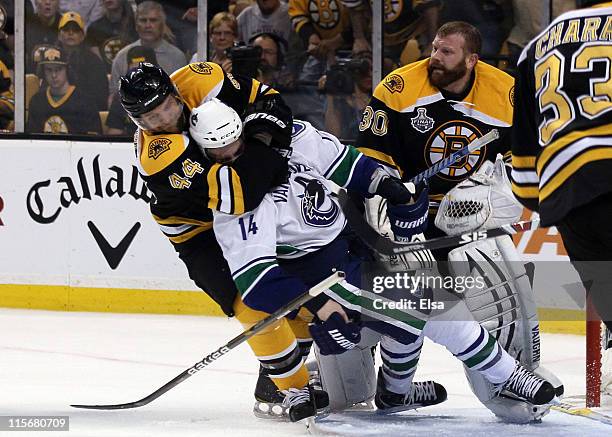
x: 418, y: 115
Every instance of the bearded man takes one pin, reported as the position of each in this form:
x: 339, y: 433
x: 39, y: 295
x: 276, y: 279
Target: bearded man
x: 419, y: 114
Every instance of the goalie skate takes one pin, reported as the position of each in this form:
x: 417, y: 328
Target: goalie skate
x: 526, y: 386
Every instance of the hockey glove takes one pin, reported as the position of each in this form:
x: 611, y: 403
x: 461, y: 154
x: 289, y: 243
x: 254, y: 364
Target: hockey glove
x: 335, y: 336
x: 394, y: 190
x: 409, y: 220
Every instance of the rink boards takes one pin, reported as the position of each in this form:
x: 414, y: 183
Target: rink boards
x: 76, y: 235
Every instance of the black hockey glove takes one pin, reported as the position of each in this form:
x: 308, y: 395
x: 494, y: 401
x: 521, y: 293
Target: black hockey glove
x: 269, y: 120
x: 394, y: 190
x: 335, y: 336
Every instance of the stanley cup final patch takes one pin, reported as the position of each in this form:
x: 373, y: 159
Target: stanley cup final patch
x: 422, y: 122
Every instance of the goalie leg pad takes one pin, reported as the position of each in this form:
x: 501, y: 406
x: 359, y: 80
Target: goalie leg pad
x: 350, y: 378
x: 506, y: 308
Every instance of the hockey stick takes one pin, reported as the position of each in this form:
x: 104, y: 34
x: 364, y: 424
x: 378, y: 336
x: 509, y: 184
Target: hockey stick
x: 454, y: 157
x: 239, y: 339
x: 388, y: 247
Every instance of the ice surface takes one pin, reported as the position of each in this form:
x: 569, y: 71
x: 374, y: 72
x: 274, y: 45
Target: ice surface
x: 49, y: 360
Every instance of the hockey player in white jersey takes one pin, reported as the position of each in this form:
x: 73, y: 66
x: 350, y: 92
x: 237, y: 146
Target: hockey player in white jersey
x: 295, y: 238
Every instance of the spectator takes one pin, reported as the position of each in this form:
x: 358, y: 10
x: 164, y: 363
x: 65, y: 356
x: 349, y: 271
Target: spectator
x: 113, y: 31
x: 344, y: 111
x: 266, y: 16
x: 239, y: 5
x: 182, y: 20
x: 7, y: 100
x: 89, y: 10
x: 88, y: 69
x: 60, y: 107
x: 272, y: 69
x: 150, y: 24
x: 409, y: 28
x: 320, y: 25
x: 118, y: 121
x: 222, y: 30
x: 41, y: 29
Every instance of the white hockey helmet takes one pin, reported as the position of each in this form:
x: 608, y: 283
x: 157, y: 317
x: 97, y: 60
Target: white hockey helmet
x: 213, y: 124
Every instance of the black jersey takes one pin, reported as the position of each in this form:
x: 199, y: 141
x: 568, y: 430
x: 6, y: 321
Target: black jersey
x: 110, y: 37
x: 186, y: 185
x: 562, y: 141
x: 409, y: 125
x: 74, y: 113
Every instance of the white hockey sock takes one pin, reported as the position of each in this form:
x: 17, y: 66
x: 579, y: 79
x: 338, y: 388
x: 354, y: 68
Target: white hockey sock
x: 473, y: 345
x: 399, y: 363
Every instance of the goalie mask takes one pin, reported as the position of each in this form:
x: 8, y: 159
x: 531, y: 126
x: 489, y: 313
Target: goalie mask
x: 484, y: 200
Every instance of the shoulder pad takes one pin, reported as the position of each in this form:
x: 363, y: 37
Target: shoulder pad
x: 198, y: 82
x: 406, y: 86
x: 157, y: 152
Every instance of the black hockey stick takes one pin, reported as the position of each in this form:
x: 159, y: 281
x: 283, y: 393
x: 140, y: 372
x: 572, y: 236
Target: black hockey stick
x: 388, y: 247
x: 239, y: 339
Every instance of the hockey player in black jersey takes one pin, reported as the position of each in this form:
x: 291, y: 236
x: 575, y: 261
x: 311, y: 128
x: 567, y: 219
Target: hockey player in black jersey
x: 423, y: 112
x: 187, y: 186
x: 562, y: 140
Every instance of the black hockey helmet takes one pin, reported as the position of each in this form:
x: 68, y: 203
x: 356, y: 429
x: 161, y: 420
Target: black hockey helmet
x: 143, y: 88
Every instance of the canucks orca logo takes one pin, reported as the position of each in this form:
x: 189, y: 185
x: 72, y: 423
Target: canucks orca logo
x: 317, y: 208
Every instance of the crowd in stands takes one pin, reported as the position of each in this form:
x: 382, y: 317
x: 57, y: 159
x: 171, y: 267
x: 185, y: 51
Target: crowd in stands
x: 318, y: 53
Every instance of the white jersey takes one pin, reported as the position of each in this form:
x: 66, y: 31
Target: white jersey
x: 297, y: 217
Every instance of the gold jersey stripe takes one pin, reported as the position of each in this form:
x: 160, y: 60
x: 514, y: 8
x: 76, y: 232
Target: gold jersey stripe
x: 523, y: 162
x: 188, y: 235
x: 572, y: 167
x: 561, y: 143
x: 57, y: 103
x: 238, y: 194
x: 526, y: 192
x: 255, y: 85
x: 213, y: 187
x: 177, y: 220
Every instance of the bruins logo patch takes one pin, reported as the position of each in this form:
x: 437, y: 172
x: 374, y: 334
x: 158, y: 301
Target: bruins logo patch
x: 55, y: 125
x: 200, y: 68
x: 394, y: 83
x: 449, y: 138
x: 324, y: 13
x: 511, y: 95
x: 158, y: 146
x: 393, y: 9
